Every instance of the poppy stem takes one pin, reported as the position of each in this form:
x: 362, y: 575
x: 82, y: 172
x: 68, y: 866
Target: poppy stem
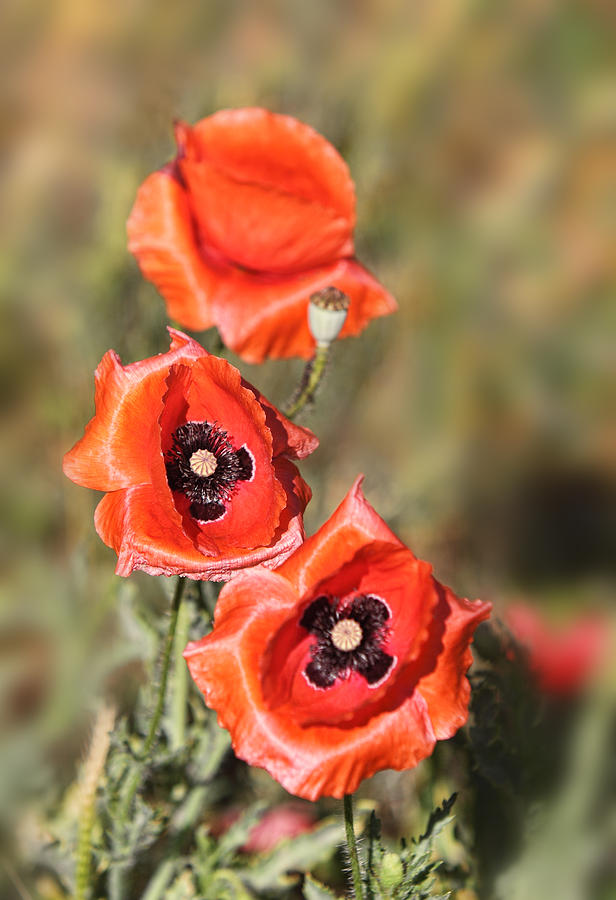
x: 164, y: 672
x: 133, y: 784
x: 311, y: 378
x: 352, y: 846
x: 179, y: 692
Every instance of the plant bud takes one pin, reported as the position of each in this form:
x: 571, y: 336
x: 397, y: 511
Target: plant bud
x: 391, y: 873
x: 327, y: 312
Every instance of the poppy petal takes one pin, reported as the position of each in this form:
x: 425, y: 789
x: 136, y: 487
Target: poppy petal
x: 352, y: 526
x: 287, y: 437
x: 125, y: 451
x: 307, y: 760
x: 113, y: 453
x: 446, y: 689
x: 255, y: 146
x: 324, y: 737
x: 267, y: 316
x: 161, y: 236
x: 147, y: 534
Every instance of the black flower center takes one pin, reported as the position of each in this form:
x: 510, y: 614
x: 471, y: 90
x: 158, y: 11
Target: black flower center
x: 203, y: 466
x: 348, y: 639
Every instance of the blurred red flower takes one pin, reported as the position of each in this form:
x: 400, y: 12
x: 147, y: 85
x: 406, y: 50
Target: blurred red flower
x: 194, y: 460
x: 281, y: 823
x: 254, y: 214
x: 564, y: 660
x: 349, y: 658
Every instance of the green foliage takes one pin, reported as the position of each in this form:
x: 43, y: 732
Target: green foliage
x: 314, y: 890
x: 411, y: 872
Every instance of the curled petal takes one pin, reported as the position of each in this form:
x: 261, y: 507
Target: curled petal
x: 309, y: 761
x: 352, y: 526
x: 114, y: 453
x: 267, y: 316
x: 254, y: 214
x: 255, y: 146
x: 296, y: 691
x: 445, y: 688
x: 136, y: 449
x: 162, y: 237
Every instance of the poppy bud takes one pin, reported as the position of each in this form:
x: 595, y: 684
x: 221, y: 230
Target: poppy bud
x: 391, y: 873
x: 327, y: 312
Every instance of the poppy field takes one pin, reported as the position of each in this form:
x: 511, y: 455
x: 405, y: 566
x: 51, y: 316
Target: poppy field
x: 309, y: 480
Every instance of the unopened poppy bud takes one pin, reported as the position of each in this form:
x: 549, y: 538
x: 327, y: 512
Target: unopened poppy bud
x: 327, y: 312
x: 391, y: 873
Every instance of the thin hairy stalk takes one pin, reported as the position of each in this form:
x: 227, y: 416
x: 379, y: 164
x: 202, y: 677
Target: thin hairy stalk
x: 352, y: 847
x: 311, y: 378
x: 179, y: 694
x: 117, y: 872
x: 92, y: 770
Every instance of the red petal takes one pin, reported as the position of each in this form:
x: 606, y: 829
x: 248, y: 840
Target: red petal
x: 261, y: 316
x: 261, y: 147
x: 146, y: 532
x: 216, y: 395
x: 352, y: 526
x: 310, y: 761
x: 115, y: 453
x: 406, y: 587
x: 292, y: 440
x: 162, y: 237
x: 293, y: 188
x: 446, y: 689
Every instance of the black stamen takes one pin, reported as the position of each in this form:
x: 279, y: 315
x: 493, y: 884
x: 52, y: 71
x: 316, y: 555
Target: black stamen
x: 208, y: 494
x: 330, y: 661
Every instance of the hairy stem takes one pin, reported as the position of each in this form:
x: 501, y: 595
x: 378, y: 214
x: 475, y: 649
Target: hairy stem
x: 179, y: 693
x: 352, y: 847
x: 92, y: 770
x: 311, y: 378
x: 133, y: 783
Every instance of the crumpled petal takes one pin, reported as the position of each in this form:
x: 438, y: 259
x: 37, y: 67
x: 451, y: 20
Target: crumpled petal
x: 323, y: 741
x: 255, y: 213
x: 264, y: 316
x: 114, y: 453
x: 138, y: 410
x: 162, y: 237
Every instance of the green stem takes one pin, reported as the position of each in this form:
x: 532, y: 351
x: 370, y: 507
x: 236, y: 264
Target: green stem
x: 179, y: 693
x: 313, y: 373
x: 84, y: 850
x: 134, y: 782
x: 164, y: 672
x: 352, y: 846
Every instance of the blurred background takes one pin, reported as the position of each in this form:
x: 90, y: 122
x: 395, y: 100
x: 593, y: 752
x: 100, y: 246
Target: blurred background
x: 481, y: 138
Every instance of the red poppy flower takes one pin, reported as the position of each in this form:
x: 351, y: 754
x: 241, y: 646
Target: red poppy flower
x: 194, y: 460
x: 254, y: 214
x: 563, y: 661
x: 349, y: 658
x: 281, y: 823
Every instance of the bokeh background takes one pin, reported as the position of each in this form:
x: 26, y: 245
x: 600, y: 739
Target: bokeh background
x: 481, y: 137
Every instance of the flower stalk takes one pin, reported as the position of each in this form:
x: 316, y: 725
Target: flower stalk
x: 136, y: 778
x: 92, y: 770
x: 311, y: 379
x: 327, y: 312
x: 352, y: 847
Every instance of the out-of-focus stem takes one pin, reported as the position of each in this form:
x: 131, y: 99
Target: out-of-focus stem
x: 92, y: 769
x: 117, y: 872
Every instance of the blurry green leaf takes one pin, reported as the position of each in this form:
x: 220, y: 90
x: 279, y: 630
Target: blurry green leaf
x: 314, y: 890
x: 298, y: 854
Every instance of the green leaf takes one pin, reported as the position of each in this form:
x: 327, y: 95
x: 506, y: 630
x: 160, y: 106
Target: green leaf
x: 314, y: 890
x: 296, y: 855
